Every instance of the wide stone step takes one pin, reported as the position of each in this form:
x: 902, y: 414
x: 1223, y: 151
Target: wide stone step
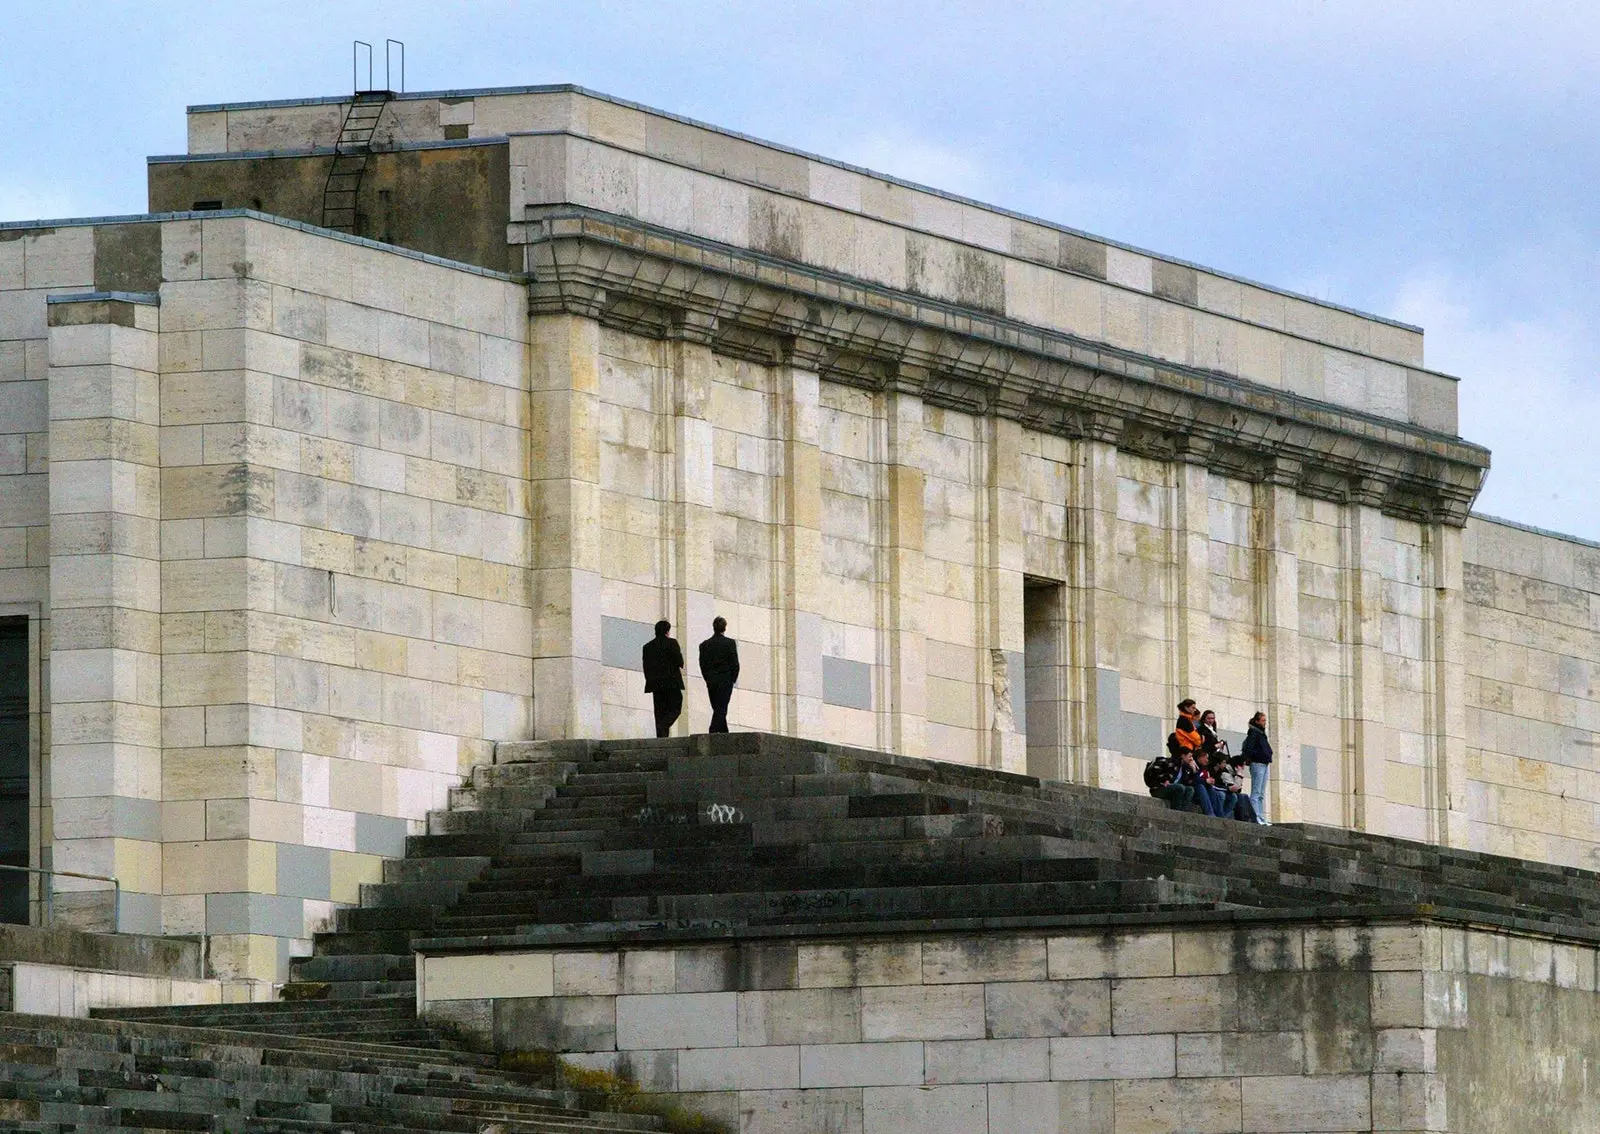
x: 854, y: 904
x: 844, y: 875
x: 59, y: 1074
x: 436, y: 869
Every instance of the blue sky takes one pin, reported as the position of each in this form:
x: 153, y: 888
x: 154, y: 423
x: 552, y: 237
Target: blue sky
x: 1431, y: 160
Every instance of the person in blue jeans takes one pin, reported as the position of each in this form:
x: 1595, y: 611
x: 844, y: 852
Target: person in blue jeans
x: 1258, y: 751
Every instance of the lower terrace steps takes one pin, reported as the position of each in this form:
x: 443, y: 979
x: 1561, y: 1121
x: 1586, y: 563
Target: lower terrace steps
x: 707, y: 837
x: 758, y: 834
x: 123, y: 1074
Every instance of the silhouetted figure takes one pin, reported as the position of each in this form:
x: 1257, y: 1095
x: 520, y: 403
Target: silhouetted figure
x: 719, y: 665
x: 663, y: 677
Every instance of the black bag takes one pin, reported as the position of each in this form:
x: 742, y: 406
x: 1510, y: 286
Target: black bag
x: 1159, y: 773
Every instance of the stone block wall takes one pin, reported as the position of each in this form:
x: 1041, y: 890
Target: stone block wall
x: 1296, y: 1028
x: 346, y: 621
x: 1532, y: 662
x: 34, y: 264
x: 277, y: 578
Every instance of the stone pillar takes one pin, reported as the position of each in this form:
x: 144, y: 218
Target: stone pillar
x: 1096, y: 711
x: 1008, y: 745
x: 1280, y: 613
x: 1448, y: 790
x: 1193, y: 558
x: 694, y: 566
x: 907, y: 675
x: 1368, y: 748
x: 105, y: 597
x: 799, y: 674
x: 565, y: 490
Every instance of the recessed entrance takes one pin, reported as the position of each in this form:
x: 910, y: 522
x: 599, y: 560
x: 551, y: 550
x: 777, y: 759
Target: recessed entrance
x: 14, y: 768
x: 1044, y: 657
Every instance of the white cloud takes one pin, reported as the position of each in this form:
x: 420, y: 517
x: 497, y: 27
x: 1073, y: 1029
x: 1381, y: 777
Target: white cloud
x: 1530, y: 391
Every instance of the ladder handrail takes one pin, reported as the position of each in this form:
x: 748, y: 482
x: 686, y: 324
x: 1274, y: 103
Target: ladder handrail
x: 355, y: 71
x: 386, y: 75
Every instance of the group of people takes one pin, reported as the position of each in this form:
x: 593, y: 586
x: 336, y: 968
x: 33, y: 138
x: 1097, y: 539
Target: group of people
x: 662, y: 662
x: 1199, y: 770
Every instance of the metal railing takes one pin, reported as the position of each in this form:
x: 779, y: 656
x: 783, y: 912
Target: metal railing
x: 388, y: 65
x: 49, y: 891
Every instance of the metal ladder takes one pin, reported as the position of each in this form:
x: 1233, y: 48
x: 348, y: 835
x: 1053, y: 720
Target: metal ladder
x: 350, y: 156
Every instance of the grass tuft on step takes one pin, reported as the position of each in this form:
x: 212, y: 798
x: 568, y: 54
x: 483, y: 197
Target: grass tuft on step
x: 614, y: 1094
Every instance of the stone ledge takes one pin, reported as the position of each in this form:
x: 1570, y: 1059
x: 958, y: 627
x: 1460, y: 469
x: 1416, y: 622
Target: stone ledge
x: 660, y: 283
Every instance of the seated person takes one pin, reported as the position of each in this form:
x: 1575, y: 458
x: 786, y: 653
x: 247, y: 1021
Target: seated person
x: 1184, y: 745
x: 1237, y: 786
x: 1164, y: 777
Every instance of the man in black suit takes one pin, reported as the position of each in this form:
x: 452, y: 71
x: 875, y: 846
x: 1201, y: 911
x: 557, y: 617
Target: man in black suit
x: 719, y: 665
x: 663, y: 676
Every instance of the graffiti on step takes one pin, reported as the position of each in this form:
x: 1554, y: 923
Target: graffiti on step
x: 650, y: 813
x: 817, y: 900
x: 719, y: 814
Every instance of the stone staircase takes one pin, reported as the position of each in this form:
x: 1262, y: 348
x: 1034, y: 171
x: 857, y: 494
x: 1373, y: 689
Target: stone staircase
x: 707, y: 838
x: 115, y: 1075
x: 749, y: 834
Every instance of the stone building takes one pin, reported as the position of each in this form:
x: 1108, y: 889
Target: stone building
x: 358, y: 454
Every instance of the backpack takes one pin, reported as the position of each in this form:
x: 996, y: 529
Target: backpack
x: 1159, y: 773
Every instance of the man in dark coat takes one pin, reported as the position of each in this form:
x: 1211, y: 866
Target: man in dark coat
x: 719, y: 665
x: 663, y: 676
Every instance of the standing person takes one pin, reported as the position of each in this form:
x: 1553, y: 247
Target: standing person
x: 663, y: 676
x: 719, y: 665
x: 1258, y: 750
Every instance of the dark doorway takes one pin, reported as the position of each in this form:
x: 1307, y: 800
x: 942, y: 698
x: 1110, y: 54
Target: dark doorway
x: 14, y: 768
x: 1044, y: 629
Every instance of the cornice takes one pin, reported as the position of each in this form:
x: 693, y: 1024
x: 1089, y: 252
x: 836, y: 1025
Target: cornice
x: 657, y: 282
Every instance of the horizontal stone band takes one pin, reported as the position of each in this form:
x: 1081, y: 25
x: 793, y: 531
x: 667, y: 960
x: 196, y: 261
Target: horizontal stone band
x: 648, y: 280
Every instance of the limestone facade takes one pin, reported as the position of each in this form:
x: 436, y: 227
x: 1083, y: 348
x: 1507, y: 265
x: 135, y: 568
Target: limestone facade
x: 302, y: 523
x: 280, y: 565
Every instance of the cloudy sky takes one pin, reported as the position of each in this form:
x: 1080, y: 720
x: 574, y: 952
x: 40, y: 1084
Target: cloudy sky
x: 1431, y: 160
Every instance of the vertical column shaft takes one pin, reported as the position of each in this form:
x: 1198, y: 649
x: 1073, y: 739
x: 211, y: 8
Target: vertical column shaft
x: 1193, y: 537
x: 105, y: 594
x: 800, y: 556
x: 694, y: 503
x: 1280, y: 612
x: 1004, y: 561
x: 1096, y: 685
x: 1367, y: 751
x: 906, y: 683
x: 1449, y: 742
x: 565, y: 488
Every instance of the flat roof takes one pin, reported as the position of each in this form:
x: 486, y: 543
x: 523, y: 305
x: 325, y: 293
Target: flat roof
x: 1532, y: 530
x: 269, y: 218
x: 324, y: 151
x: 573, y: 88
